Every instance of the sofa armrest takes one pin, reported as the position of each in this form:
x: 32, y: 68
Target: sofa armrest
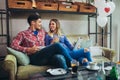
x: 10, y: 65
x: 109, y: 53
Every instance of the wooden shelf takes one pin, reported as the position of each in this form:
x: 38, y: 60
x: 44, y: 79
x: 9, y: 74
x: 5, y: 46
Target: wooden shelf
x: 14, y: 10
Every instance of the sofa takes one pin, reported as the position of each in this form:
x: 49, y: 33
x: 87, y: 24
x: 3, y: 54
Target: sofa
x: 20, y: 72
x: 107, y: 53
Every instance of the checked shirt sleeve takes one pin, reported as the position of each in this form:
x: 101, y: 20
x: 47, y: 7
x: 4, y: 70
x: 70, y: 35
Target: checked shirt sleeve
x: 17, y: 41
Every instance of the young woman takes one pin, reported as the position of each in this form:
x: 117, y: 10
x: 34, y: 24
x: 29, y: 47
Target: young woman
x: 54, y: 35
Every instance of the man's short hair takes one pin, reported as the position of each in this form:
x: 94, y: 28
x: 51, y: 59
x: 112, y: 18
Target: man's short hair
x: 33, y: 17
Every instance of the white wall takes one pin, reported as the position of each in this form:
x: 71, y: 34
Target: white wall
x: 2, y: 4
x: 71, y: 24
x: 116, y: 29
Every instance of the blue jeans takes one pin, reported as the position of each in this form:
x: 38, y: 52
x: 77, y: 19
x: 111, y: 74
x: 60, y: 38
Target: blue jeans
x: 59, y: 61
x: 45, y: 55
x: 79, y: 55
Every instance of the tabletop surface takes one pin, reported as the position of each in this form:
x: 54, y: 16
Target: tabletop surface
x: 82, y: 74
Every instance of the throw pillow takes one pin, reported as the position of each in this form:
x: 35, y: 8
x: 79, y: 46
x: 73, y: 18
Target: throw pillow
x: 96, y: 51
x: 86, y: 43
x: 83, y: 43
x: 78, y: 43
x: 22, y: 58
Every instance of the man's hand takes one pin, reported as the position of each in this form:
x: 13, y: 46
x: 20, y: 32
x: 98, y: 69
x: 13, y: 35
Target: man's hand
x: 33, y: 50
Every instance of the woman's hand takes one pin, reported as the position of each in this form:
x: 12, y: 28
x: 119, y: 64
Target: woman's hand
x: 56, y: 39
x: 78, y: 47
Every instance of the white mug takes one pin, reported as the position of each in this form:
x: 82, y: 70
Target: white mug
x: 92, y: 65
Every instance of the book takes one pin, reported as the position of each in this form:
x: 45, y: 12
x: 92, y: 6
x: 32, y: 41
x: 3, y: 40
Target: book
x: 77, y: 44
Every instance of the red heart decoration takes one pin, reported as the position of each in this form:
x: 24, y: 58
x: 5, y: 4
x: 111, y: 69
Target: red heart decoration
x: 107, y: 9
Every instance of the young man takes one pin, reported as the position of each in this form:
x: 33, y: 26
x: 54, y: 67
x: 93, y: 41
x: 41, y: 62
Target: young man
x: 31, y: 41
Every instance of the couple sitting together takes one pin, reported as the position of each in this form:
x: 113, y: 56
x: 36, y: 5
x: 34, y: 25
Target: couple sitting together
x: 57, y: 50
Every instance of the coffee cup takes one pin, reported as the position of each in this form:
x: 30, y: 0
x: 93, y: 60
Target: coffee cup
x: 92, y: 65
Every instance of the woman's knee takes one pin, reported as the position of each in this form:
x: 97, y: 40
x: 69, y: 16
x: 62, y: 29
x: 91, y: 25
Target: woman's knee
x: 86, y: 50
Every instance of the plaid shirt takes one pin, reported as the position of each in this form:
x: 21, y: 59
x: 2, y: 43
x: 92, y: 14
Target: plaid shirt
x: 27, y: 38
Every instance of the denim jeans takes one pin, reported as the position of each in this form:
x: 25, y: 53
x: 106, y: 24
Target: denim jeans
x: 79, y: 55
x: 45, y: 55
x: 59, y: 61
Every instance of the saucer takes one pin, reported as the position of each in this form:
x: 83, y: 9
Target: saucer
x: 96, y: 68
x: 57, y: 71
x: 108, y: 68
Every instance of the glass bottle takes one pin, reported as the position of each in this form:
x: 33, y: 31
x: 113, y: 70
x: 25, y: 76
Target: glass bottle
x: 101, y: 72
x: 113, y: 73
x: 79, y: 76
x: 118, y: 69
